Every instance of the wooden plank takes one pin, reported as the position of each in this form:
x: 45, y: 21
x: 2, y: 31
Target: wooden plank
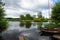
x: 21, y: 38
x: 56, y: 36
x: 55, y: 30
x: 51, y: 31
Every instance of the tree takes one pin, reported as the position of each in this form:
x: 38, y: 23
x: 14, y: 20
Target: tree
x: 22, y: 17
x: 56, y: 13
x: 1, y: 10
x: 39, y: 15
x: 28, y: 17
x: 34, y: 16
x: 3, y: 23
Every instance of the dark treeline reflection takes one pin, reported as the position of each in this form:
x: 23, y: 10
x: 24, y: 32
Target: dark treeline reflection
x: 22, y: 24
x: 1, y: 37
x: 38, y: 24
x: 26, y: 24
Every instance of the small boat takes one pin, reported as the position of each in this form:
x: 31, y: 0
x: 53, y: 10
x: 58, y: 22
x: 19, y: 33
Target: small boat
x: 53, y: 30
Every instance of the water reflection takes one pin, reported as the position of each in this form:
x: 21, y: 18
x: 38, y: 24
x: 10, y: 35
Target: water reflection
x: 23, y: 28
x: 39, y: 25
x: 28, y: 24
x: 25, y: 24
x: 22, y: 24
x: 0, y: 37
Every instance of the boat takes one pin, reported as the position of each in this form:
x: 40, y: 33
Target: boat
x: 53, y: 30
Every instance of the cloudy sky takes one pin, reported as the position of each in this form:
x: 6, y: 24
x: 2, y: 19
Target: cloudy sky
x: 14, y: 8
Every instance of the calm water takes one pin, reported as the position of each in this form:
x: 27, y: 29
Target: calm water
x: 28, y: 29
x: 21, y: 25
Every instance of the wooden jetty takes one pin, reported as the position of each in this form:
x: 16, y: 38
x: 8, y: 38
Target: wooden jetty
x: 54, y: 30
x: 57, y: 36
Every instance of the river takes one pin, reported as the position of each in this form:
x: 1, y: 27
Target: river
x: 27, y: 29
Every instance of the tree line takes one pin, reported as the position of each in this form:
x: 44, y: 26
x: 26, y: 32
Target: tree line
x: 34, y: 18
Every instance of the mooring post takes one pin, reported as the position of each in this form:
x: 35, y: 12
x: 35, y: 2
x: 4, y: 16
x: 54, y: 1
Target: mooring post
x: 21, y: 38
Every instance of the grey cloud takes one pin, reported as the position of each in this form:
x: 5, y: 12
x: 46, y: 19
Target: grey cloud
x: 13, y: 5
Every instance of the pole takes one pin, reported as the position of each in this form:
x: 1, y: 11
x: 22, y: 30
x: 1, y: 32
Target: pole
x: 49, y: 12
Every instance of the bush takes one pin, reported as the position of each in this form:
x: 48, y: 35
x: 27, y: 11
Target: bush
x: 50, y: 25
x: 56, y: 12
x: 37, y: 20
x: 58, y: 24
x: 3, y: 25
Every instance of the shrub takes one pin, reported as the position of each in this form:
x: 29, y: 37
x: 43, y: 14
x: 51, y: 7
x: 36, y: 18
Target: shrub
x: 50, y: 25
x: 37, y: 20
x: 3, y: 25
x: 58, y: 24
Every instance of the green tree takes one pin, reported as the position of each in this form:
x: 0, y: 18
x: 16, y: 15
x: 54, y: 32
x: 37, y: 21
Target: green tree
x: 3, y: 23
x: 28, y: 17
x: 1, y: 10
x: 39, y: 15
x: 22, y: 17
x: 34, y: 16
x: 56, y: 13
x: 46, y: 19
